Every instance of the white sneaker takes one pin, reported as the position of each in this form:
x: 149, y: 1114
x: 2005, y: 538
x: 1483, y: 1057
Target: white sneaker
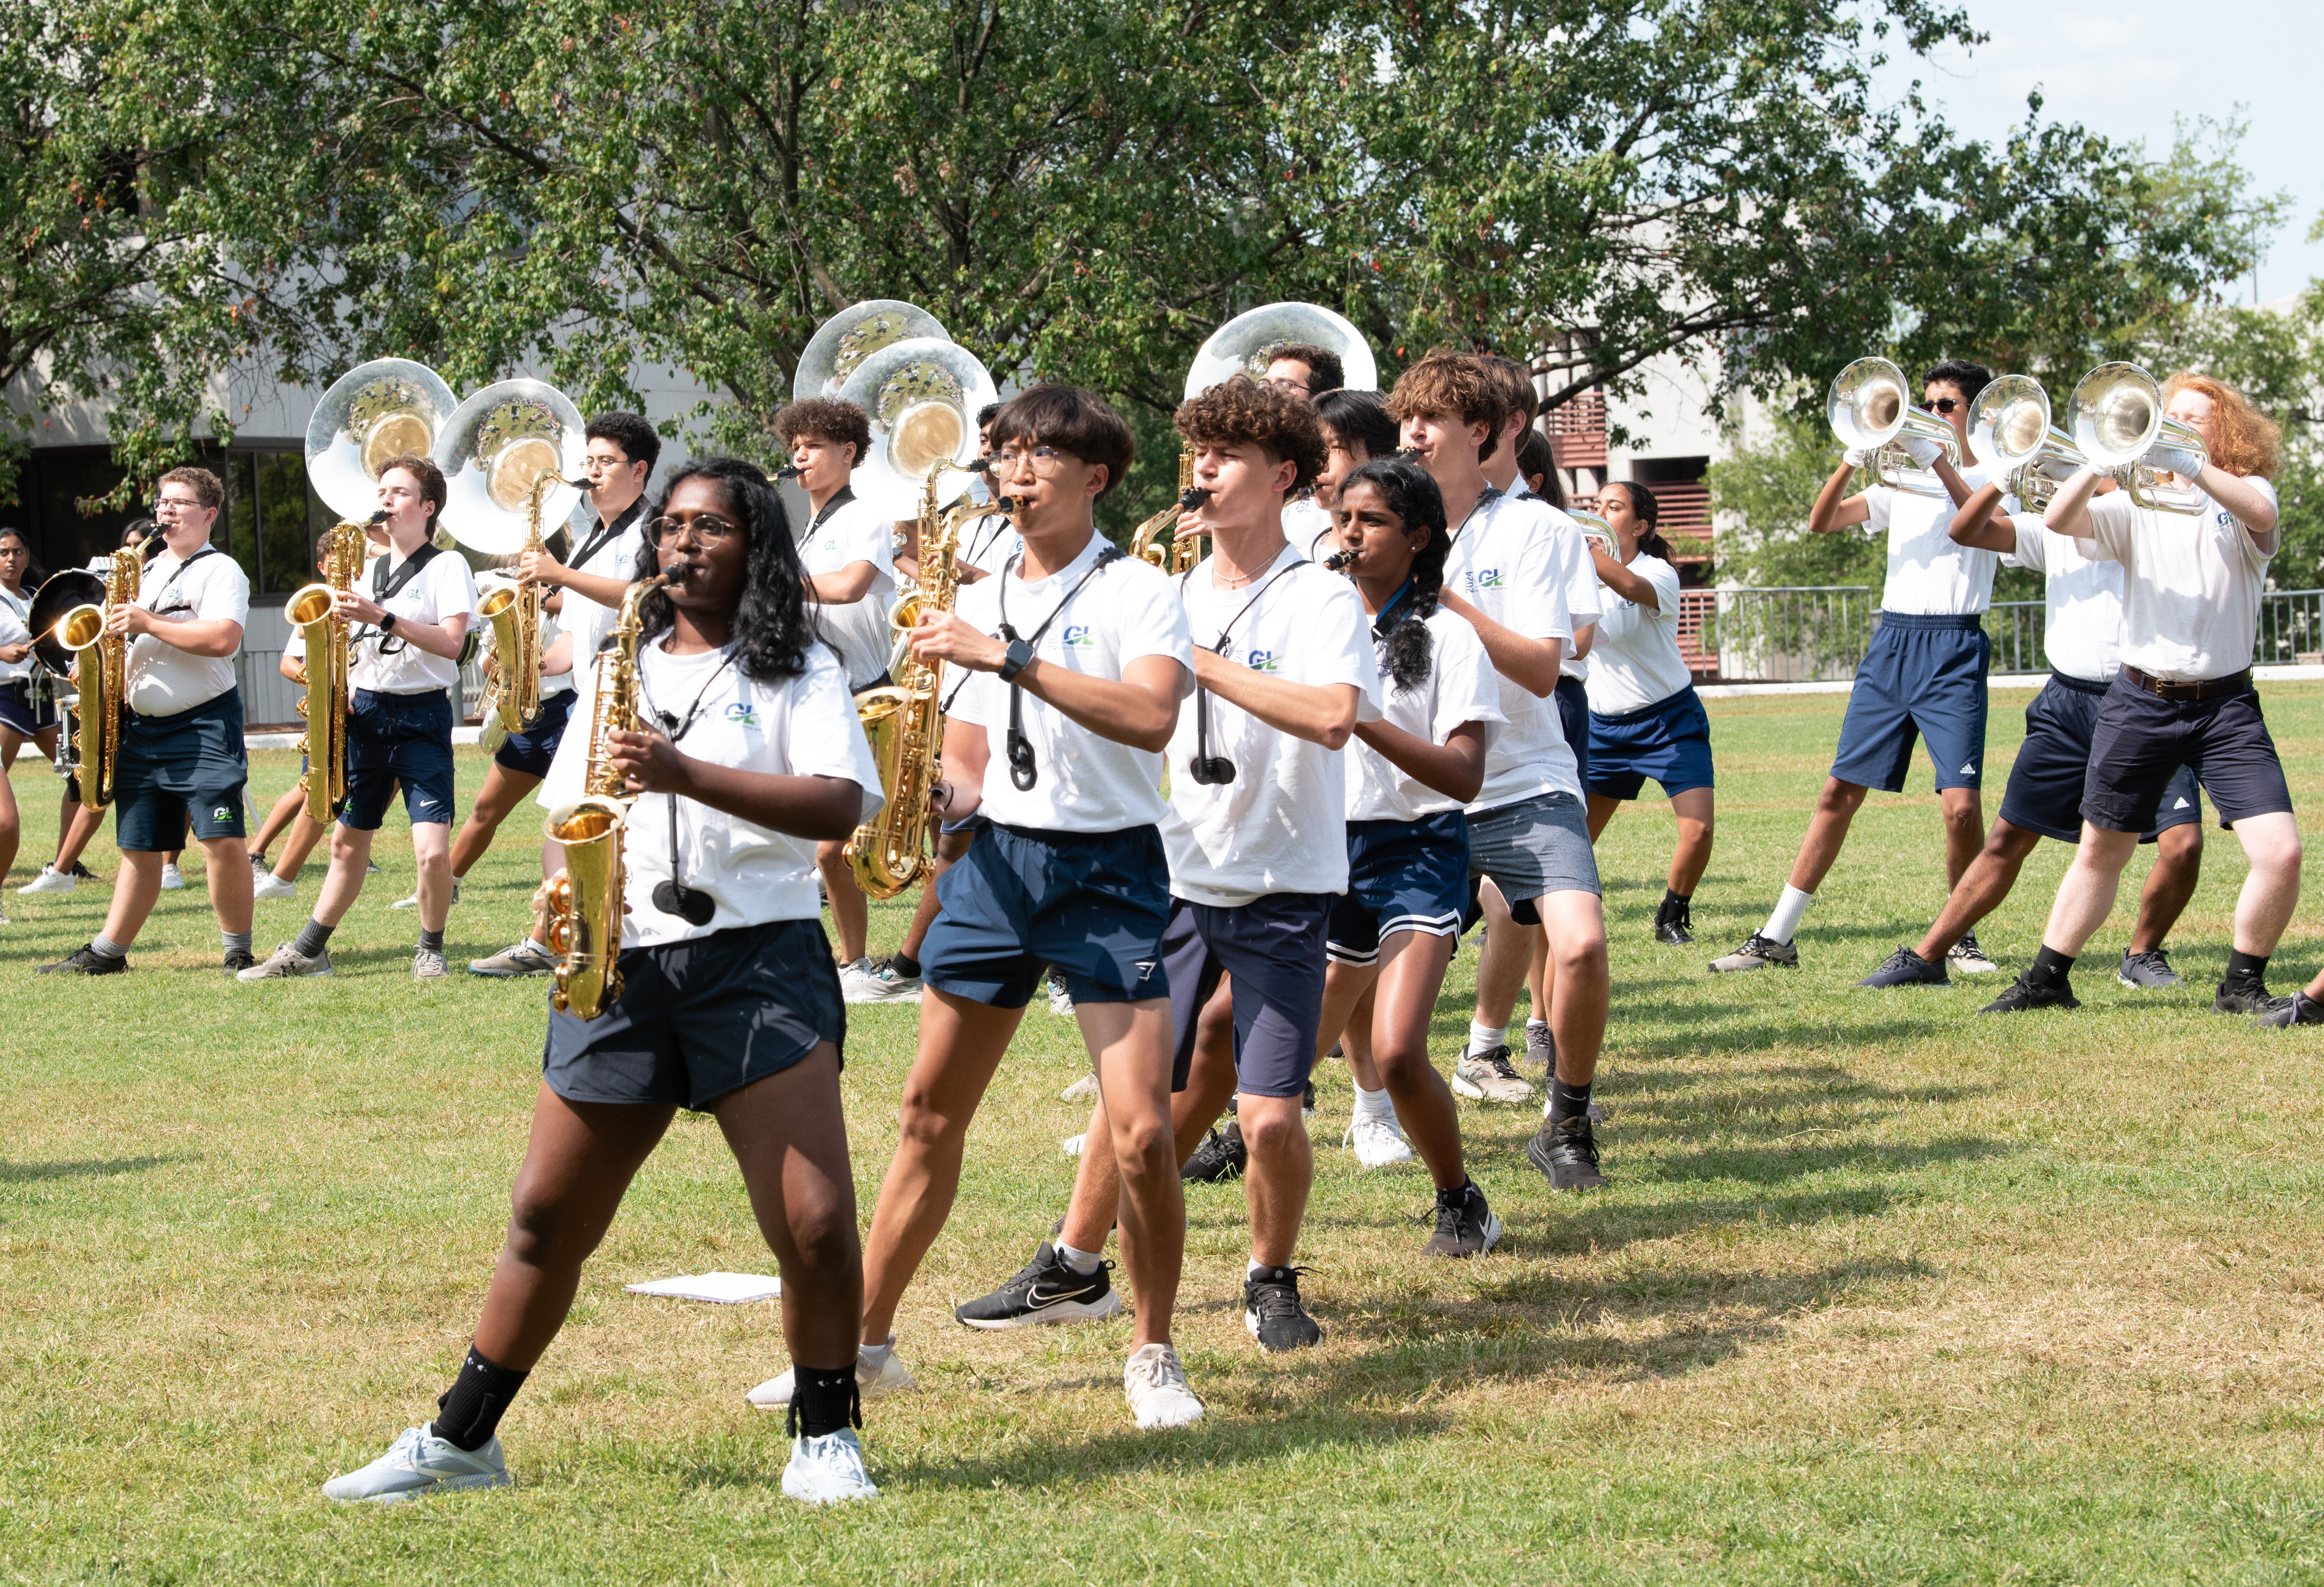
x: 855, y: 981
x: 417, y: 1463
x: 413, y: 901
x: 1061, y: 1002
x: 887, y: 1375
x: 430, y: 964
x: 528, y: 957
x: 1377, y: 1141
x: 1156, y: 1385
x: 285, y: 963
x: 1083, y: 1090
x: 270, y: 886
x: 50, y: 879
x: 1491, y: 1077
x: 1072, y: 1145
x: 829, y: 1470
x: 171, y: 881
x: 875, y: 981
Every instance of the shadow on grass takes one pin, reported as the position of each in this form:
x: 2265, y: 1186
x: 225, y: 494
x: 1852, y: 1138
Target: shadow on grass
x: 85, y: 1168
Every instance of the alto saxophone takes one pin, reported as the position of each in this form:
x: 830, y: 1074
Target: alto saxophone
x: 513, y: 673
x: 584, y: 900
x: 101, y: 673
x: 313, y: 609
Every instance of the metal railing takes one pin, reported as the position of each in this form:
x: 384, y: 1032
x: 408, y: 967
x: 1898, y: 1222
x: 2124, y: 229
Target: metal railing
x: 270, y: 701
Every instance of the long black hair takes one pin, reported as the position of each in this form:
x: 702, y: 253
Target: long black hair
x: 1413, y: 496
x: 33, y: 573
x: 1649, y: 509
x: 773, y: 629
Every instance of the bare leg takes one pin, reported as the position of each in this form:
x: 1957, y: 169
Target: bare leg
x: 1412, y: 965
x: 229, y: 863
x: 788, y: 1135
x: 1601, y: 814
x: 1692, y: 810
x: 11, y: 832
x: 501, y: 792
x: 1979, y: 889
x: 2271, y: 887
x: 431, y: 842
x: 1132, y: 1043
x: 950, y: 846
x: 279, y: 819
x: 342, y: 884
x: 851, y: 912
x: 1282, y: 1171
x: 1209, y: 1081
x: 78, y: 823
x: 2086, y: 895
x: 1964, y: 810
x: 134, y: 895
x: 305, y: 834
x: 2178, y: 867
x: 1576, y: 924
x: 1835, y: 809
x: 1501, y: 967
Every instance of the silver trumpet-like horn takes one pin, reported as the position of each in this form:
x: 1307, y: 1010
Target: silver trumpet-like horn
x: 2009, y: 426
x: 1871, y: 407
x: 2118, y: 419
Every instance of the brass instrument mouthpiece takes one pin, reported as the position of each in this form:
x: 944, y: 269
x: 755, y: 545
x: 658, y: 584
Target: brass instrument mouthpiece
x: 982, y: 465
x: 1007, y: 506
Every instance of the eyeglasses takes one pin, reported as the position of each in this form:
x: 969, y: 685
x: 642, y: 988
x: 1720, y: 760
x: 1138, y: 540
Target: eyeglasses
x: 706, y: 529
x: 1945, y: 404
x: 167, y: 503
x: 1284, y: 384
x: 593, y: 464
x: 1045, y: 460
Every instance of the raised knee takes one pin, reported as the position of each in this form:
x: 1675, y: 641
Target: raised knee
x: 920, y: 1125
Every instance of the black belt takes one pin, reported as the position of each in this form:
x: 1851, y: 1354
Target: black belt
x: 2201, y: 688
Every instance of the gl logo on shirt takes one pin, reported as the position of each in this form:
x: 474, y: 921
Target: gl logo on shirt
x: 1486, y: 578
x: 1078, y: 636
x: 736, y: 711
x: 1263, y: 661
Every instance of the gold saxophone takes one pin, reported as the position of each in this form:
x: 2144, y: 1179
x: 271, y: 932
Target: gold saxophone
x: 1164, y: 548
x: 101, y: 674
x: 313, y: 610
x: 584, y: 900
x: 512, y: 672
x: 905, y: 721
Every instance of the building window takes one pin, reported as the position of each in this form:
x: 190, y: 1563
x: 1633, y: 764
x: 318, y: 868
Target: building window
x: 268, y: 525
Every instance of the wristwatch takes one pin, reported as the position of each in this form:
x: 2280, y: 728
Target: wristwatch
x: 387, y: 623
x: 1019, y: 658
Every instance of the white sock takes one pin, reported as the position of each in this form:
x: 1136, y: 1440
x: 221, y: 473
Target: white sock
x: 1084, y: 1262
x: 876, y: 1354
x: 1374, y: 1104
x: 1254, y: 1266
x: 1533, y: 1025
x: 1790, y: 909
x: 1484, y: 1039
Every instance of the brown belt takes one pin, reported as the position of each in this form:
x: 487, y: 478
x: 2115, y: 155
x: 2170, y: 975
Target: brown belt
x: 2205, y: 688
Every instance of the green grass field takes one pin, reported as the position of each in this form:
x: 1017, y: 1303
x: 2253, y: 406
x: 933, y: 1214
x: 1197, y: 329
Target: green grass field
x: 1883, y: 1292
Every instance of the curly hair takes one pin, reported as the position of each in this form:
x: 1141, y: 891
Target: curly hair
x: 772, y: 626
x: 825, y: 418
x: 2248, y: 441
x: 1238, y: 410
x: 1412, y: 495
x: 1456, y: 383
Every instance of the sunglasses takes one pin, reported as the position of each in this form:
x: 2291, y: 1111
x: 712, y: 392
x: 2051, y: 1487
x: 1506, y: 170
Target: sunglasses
x: 1945, y: 404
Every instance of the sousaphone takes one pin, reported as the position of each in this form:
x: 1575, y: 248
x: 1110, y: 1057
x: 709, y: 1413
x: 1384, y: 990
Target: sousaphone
x: 923, y: 396
x: 495, y: 449
x: 387, y: 407
x: 1246, y: 345
x: 841, y: 344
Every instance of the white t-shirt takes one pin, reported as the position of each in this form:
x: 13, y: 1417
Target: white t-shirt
x: 802, y: 727
x: 1585, y: 597
x: 1460, y: 686
x: 2191, y: 584
x: 2082, y: 635
x: 1507, y: 562
x: 1303, y: 524
x: 1281, y: 825
x: 1083, y: 782
x: 987, y: 543
x: 387, y: 664
x: 587, y: 620
x: 551, y: 683
x: 849, y: 533
x: 166, y: 681
x: 1930, y: 574
x: 1636, y: 656
x: 15, y: 614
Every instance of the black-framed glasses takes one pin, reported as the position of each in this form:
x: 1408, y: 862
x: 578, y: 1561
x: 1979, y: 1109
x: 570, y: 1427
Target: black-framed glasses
x: 707, y: 529
x: 1945, y: 404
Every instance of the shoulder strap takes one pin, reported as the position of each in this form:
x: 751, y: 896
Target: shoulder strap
x: 384, y: 589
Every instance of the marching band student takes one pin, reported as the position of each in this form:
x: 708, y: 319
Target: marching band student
x: 729, y: 1003
x: 289, y: 816
x: 414, y: 604
x: 1303, y: 370
x: 1646, y: 720
x: 1512, y: 572
x: 1537, y: 470
x: 583, y: 599
x: 181, y: 747
x: 850, y: 556
x: 1923, y: 674
x: 2083, y: 641
x: 2183, y: 696
x: 1357, y: 429
x: 20, y: 724
x: 1076, y: 659
x: 1392, y: 934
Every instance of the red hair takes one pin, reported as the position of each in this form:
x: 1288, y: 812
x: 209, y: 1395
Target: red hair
x: 2243, y: 441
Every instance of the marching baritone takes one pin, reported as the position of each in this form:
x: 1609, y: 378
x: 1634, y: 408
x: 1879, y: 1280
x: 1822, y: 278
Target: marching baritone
x: 182, y: 740
x: 746, y: 752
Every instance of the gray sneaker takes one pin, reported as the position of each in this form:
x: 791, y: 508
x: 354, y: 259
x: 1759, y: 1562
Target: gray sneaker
x: 286, y: 962
x: 1540, y: 1048
x: 430, y: 964
x: 1759, y: 952
x: 876, y: 980
x: 2150, y: 969
x: 418, y: 1463
x: 1491, y: 1077
x: 528, y: 957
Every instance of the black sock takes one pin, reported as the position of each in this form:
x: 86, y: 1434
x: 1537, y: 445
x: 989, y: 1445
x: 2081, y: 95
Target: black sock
x: 432, y: 940
x: 2242, y: 966
x: 2050, y: 967
x: 1567, y: 1101
x: 824, y: 1401
x: 471, y: 1410
x: 905, y: 966
x: 313, y: 937
x: 1670, y: 898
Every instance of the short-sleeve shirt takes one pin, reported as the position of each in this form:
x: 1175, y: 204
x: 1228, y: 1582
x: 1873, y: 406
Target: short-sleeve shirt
x: 1460, y: 686
x: 988, y: 542
x: 1636, y: 656
x: 615, y: 556
x: 1929, y: 573
x: 1585, y: 598
x: 15, y: 629
x: 206, y: 587
x: 2082, y: 631
x: 1084, y: 782
x: 1281, y: 825
x: 844, y: 533
x: 2191, y: 584
x: 388, y: 664
x: 801, y: 726
x: 1506, y: 561
x: 551, y: 683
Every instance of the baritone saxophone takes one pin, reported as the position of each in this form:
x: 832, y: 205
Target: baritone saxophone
x: 313, y: 611
x: 101, y: 667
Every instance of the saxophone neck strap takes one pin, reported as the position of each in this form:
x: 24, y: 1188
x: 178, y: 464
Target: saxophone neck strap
x: 674, y: 896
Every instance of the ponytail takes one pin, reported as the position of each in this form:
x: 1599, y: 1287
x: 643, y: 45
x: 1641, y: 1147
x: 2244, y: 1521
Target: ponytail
x: 1644, y: 502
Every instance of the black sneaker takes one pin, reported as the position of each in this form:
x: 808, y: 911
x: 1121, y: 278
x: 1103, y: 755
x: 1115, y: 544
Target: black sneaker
x: 1567, y: 1152
x: 237, y: 960
x: 1759, y: 952
x: 2298, y: 1009
x: 1047, y: 1291
x: 2022, y: 994
x: 87, y: 961
x: 1219, y: 1158
x: 1307, y: 1101
x: 1272, y: 1312
x: 1906, y: 968
x: 2149, y: 969
x: 2247, y: 996
x: 81, y: 872
x: 1465, y: 1225
x: 1674, y: 923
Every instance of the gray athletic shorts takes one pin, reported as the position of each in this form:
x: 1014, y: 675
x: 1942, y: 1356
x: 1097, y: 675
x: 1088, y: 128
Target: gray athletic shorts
x: 1534, y: 846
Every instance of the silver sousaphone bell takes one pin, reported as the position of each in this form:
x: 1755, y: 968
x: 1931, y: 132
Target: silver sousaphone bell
x: 388, y: 408
x: 494, y: 448
x: 842, y: 343
x: 923, y: 396
x: 1246, y: 345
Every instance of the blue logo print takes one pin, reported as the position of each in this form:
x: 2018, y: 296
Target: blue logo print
x: 1078, y: 636
x: 736, y: 711
x: 1263, y: 661
x: 1487, y: 578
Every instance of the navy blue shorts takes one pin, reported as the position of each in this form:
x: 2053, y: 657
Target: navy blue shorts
x: 1401, y: 876
x: 1923, y: 676
x: 1273, y: 947
x: 699, y: 1019
x: 1092, y: 903
x: 398, y: 738
x: 170, y: 767
x: 1573, y: 698
x: 2045, y: 786
x: 1668, y: 740
x: 2140, y: 741
x: 531, y: 750
x: 16, y: 709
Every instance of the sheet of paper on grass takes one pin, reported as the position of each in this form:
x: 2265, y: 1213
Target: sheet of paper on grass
x: 726, y: 1288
